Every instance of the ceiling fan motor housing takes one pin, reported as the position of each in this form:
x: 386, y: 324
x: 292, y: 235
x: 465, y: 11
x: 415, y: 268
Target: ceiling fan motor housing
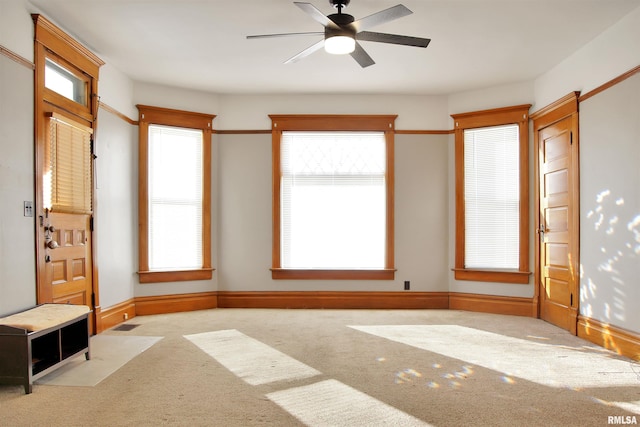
x: 344, y: 22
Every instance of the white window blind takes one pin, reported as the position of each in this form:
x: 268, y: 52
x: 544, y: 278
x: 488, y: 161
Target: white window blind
x: 68, y: 180
x: 333, y: 200
x: 492, y: 197
x: 175, y: 198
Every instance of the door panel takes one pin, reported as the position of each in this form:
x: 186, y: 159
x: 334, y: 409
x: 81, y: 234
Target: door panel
x: 556, y: 183
x: 70, y: 262
x: 558, y: 280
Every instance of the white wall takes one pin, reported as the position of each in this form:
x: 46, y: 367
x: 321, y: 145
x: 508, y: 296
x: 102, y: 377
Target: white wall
x: 612, y: 53
x: 116, y: 90
x: 175, y: 98
x: 16, y: 27
x: 116, y: 147
x: 487, y: 98
x: 17, y: 233
x: 251, y: 111
x: 610, y: 205
x: 116, y: 218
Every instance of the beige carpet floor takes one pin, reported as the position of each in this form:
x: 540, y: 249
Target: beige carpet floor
x: 239, y: 367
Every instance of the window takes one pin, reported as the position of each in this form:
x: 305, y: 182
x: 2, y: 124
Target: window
x: 64, y: 82
x: 175, y: 195
x: 333, y: 197
x: 492, y: 195
x: 67, y: 176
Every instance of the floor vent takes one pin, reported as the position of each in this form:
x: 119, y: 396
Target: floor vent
x: 125, y: 327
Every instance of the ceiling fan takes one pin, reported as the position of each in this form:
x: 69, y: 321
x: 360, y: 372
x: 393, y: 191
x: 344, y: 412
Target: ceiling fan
x: 342, y: 32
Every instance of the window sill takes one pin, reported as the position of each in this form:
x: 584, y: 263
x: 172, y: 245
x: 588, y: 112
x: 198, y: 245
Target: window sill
x: 175, y: 276
x: 517, y: 277
x: 309, y: 274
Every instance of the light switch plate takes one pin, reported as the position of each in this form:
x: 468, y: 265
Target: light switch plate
x: 28, y: 208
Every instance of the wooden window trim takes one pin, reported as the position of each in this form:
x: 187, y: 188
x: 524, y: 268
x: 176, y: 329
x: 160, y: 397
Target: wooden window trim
x: 321, y: 122
x: 311, y: 274
x: 519, y: 115
x: 186, y: 119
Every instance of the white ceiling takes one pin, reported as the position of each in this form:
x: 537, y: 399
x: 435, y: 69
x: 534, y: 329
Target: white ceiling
x: 201, y: 44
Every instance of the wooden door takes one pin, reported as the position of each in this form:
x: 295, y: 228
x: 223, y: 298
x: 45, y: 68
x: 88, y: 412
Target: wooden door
x: 67, y: 262
x: 557, y: 224
x: 68, y: 258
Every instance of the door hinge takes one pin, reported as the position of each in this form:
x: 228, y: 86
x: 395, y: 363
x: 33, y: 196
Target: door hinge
x: 92, y: 148
x: 571, y: 138
x: 93, y: 300
x: 91, y: 224
x: 571, y: 300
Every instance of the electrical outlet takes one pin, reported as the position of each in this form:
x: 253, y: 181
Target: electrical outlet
x: 126, y: 316
x: 28, y: 208
x: 407, y: 285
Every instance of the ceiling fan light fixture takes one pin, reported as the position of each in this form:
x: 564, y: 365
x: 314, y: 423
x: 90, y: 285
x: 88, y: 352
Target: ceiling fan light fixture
x: 342, y: 33
x: 339, y: 44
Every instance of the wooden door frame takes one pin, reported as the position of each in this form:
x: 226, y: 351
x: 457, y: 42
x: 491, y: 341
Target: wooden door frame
x: 565, y: 107
x: 51, y: 40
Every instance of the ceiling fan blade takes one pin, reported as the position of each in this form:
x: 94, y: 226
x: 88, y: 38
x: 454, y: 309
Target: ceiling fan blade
x: 387, y: 15
x: 315, y: 13
x: 361, y: 56
x: 393, y: 39
x: 308, y: 51
x: 264, y: 36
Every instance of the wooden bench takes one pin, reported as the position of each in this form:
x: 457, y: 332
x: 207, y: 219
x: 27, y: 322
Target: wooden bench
x: 35, y: 342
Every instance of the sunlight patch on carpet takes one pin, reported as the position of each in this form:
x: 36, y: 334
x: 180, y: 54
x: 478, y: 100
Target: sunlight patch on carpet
x: 332, y: 403
x: 633, y: 407
x: 251, y: 360
x: 108, y: 354
x: 546, y: 364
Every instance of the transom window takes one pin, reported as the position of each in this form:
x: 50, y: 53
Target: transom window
x: 333, y: 197
x: 64, y: 82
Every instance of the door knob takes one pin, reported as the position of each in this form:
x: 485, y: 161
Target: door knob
x: 52, y: 244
